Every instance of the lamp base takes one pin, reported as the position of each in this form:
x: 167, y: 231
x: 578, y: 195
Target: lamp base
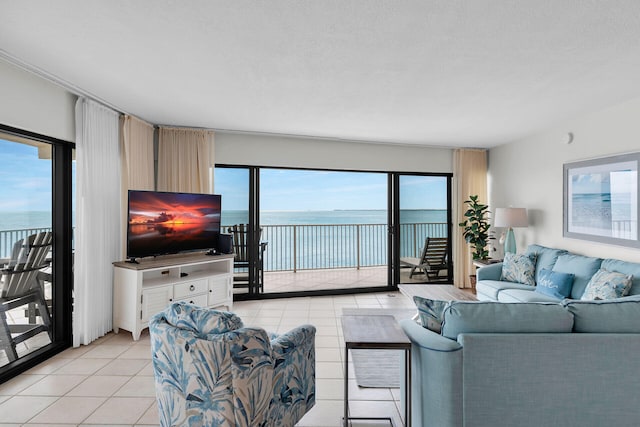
x: 510, y: 242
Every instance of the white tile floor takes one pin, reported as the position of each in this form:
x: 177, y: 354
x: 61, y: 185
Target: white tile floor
x: 110, y: 382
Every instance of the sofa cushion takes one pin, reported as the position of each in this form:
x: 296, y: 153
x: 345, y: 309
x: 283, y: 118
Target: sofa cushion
x: 519, y: 268
x: 525, y: 295
x: 554, y: 283
x: 489, y: 289
x: 430, y: 312
x: 629, y: 268
x: 495, y: 317
x: 582, y: 267
x: 545, y: 257
x: 619, y: 316
x: 607, y: 285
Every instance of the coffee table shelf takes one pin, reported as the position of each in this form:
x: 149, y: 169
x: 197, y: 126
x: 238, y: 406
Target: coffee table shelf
x: 375, y: 332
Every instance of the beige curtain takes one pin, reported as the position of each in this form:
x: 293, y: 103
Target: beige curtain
x: 185, y: 157
x: 470, y: 178
x: 137, y: 162
x: 137, y: 154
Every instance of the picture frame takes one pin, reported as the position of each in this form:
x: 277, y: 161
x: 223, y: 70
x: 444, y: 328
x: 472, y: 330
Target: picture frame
x: 600, y: 200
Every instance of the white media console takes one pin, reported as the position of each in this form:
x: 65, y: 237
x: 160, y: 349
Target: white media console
x: 144, y: 289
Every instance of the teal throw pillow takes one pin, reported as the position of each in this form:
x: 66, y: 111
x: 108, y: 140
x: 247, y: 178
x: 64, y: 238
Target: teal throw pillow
x: 519, y: 268
x: 554, y: 284
x: 430, y: 312
x: 607, y: 285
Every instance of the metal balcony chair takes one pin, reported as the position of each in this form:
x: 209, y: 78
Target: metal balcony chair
x: 21, y: 284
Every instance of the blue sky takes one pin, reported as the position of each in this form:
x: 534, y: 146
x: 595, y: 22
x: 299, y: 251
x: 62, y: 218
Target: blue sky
x: 26, y: 186
x: 304, y: 190
x: 25, y: 180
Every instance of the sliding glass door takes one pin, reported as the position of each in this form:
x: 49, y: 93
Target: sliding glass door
x: 325, y: 230
x: 322, y: 230
x: 35, y: 248
x: 424, y: 228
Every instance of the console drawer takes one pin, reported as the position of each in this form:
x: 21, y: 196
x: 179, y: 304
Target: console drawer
x: 199, y: 300
x: 187, y: 289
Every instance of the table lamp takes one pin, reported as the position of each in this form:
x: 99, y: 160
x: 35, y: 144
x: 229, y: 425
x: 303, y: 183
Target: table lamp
x: 510, y: 217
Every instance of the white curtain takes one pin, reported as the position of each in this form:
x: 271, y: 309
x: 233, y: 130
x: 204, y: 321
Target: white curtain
x: 98, y: 221
x: 185, y: 157
x: 470, y: 178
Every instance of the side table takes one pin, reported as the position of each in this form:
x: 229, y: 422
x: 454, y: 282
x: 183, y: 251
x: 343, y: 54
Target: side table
x: 377, y: 332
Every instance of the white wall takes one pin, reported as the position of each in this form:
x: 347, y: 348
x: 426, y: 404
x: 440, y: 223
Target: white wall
x: 31, y: 103
x: 280, y: 151
x: 528, y: 174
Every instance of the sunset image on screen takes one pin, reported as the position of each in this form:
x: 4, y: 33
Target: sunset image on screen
x: 172, y: 222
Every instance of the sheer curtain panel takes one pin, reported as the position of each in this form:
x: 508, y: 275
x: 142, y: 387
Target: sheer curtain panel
x: 185, y: 157
x: 98, y: 219
x: 470, y: 174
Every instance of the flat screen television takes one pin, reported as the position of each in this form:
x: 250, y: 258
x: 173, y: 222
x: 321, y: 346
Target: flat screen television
x: 161, y: 223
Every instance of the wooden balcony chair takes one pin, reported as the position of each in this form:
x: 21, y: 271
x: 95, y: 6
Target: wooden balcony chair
x: 433, y: 258
x: 241, y: 256
x: 21, y: 284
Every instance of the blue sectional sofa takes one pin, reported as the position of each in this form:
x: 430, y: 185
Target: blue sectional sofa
x: 568, y: 363
x: 491, y: 287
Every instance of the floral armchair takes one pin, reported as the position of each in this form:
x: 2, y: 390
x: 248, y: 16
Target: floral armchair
x: 211, y: 371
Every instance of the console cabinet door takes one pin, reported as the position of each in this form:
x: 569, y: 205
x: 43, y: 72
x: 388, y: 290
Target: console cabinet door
x: 154, y: 300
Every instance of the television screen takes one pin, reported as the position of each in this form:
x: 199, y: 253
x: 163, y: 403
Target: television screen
x: 165, y: 223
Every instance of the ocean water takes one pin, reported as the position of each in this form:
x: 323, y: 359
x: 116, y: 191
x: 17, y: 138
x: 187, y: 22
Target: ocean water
x: 22, y: 220
x: 335, y: 217
x: 348, y: 238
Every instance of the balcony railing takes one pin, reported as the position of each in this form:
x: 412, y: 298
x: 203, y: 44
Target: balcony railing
x: 9, y: 237
x: 313, y: 247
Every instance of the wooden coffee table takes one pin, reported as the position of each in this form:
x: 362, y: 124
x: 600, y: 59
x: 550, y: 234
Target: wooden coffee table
x: 377, y: 332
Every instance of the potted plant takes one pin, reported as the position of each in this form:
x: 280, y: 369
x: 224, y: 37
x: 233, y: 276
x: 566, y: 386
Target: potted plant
x: 476, y: 229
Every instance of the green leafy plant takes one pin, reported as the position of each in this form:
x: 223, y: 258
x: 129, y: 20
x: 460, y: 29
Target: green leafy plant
x: 476, y: 227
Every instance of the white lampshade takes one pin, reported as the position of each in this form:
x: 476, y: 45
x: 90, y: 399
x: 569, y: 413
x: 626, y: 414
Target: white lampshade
x: 510, y: 217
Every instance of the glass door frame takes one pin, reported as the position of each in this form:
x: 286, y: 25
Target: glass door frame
x: 62, y: 262
x: 393, y: 230
x: 394, y: 251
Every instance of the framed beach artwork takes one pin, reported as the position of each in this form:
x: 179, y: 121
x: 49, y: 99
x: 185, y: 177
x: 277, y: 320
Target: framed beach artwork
x: 601, y: 200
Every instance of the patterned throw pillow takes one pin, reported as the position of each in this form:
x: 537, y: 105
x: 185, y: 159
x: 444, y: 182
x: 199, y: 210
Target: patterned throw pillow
x: 554, y: 283
x: 607, y: 285
x: 519, y: 268
x: 430, y: 312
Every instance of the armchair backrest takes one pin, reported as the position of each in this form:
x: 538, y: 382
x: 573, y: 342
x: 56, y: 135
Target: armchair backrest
x: 208, y: 369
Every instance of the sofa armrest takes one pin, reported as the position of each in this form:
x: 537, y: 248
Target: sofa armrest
x: 436, y: 372
x: 489, y: 272
x: 427, y: 339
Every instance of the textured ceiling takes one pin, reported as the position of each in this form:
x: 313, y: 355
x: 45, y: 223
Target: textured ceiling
x: 432, y: 72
